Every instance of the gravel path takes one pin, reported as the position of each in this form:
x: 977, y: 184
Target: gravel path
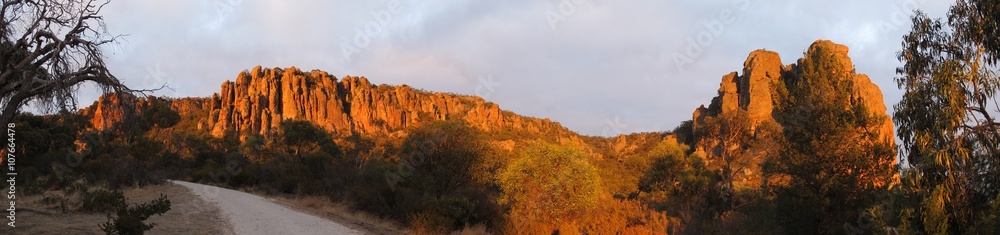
x: 252, y: 214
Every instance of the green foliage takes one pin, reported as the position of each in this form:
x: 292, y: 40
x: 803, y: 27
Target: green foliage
x: 102, y: 200
x: 728, y: 139
x: 945, y: 119
x: 50, y: 141
x: 682, y: 186
x: 118, y: 162
x: 989, y: 221
x: 302, y: 137
x: 669, y: 167
x: 685, y: 132
x: 935, y: 218
x: 158, y: 114
x: 131, y: 220
x: 550, y: 183
x: 832, y: 156
x: 443, y: 154
x: 447, y: 159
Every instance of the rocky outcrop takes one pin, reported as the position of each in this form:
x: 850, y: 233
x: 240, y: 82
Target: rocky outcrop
x: 118, y: 109
x: 754, y: 90
x: 871, y: 96
x: 261, y: 98
x: 112, y: 109
x: 751, y: 92
x: 862, y: 88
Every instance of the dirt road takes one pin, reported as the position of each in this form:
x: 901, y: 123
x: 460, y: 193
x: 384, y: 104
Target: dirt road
x: 252, y: 214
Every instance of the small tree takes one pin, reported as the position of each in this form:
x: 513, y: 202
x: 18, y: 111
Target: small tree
x: 728, y: 138
x: 131, y: 220
x: 550, y: 184
x: 302, y: 137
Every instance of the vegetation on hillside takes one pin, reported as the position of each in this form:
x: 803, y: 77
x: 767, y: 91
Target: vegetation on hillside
x: 820, y: 166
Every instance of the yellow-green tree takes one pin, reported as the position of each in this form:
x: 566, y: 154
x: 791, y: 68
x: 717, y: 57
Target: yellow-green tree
x: 550, y: 184
x: 681, y: 185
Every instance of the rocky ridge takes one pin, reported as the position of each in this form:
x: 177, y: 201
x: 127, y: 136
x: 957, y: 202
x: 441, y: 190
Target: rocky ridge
x: 260, y: 98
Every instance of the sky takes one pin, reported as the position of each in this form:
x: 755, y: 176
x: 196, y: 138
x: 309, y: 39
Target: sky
x: 597, y: 67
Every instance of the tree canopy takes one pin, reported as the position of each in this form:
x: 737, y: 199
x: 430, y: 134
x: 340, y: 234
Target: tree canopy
x: 950, y: 135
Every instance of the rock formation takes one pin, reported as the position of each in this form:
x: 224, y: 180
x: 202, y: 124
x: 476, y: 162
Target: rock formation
x: 754, y: 90
x: 113, y: 109
x: 261, y: 98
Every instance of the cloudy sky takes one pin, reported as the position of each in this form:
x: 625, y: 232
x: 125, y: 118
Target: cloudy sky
x: 597, y: 67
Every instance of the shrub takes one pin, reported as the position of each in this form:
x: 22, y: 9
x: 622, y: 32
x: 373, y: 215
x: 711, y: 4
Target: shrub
x: 131, y: 220
x: 428, y: 223
x: 550, y: 184
x: 101, y: 200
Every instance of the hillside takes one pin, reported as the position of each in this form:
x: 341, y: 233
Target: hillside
x: 462, y: 160
x: 757, y: 92
x: 260, y: 98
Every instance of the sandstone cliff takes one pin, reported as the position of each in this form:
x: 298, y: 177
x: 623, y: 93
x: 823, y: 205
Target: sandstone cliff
x: 260, y: 98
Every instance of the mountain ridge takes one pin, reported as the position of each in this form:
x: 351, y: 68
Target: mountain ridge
x: 258, y: 99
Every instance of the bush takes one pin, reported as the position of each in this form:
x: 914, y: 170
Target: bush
x: 131, y: 220
x: 550, y: 184
x: 428, y: 223
x: 102, y: 200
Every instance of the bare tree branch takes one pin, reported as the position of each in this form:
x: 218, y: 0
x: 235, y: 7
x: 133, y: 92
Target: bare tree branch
x: 57, y: 47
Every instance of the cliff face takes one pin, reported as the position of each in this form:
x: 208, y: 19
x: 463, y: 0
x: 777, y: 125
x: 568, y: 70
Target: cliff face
x: 259, y: 99
x: 763, y: 72
x: 751, y: 92
x: 112, y: 109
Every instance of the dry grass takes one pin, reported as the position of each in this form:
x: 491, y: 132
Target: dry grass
x: 474, y: 230
x: 54, y: 213
x: 343, y: 214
